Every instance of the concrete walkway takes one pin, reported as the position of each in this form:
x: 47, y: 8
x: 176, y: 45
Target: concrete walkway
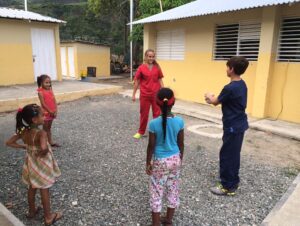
x: 214, y: 114
x: 7, y: 218
x: 12, y: 97
x: 287, y: 210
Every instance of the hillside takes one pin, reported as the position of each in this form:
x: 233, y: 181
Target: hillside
x: 19, y: 3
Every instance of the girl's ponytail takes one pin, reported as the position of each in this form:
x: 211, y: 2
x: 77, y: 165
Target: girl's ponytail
x: 21, y: 125
x: 39, y: 81
x: 165, y: 100
x: 164, y: 116
x: 24, y: 117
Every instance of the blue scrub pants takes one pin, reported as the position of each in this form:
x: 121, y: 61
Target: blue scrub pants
x: 230, y: 159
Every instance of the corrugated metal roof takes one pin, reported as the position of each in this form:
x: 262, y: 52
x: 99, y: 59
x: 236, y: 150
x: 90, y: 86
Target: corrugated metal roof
x: 83, y: 42
x: 205, y: 7
x: 26, y: 15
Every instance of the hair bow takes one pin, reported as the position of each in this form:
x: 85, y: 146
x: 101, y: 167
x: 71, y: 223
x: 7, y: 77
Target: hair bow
x: 170, y: 101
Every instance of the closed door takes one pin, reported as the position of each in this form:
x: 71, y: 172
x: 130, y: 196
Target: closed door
x: 71, y: 62
x: 43, y: 49
x: 63, y: 56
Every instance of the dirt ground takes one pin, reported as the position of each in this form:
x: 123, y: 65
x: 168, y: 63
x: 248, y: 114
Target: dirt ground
x: 261, y: 146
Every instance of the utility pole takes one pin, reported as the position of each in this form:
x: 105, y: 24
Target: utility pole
x: 131, y: 20
x: 161, y: 8
x: 25, y: 5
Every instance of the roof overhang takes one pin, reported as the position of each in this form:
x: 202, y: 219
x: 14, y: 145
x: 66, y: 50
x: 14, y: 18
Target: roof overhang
x: 208, y: 7
x: 26, y: 15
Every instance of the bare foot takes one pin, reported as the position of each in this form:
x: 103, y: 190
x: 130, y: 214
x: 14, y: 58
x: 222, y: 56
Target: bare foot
x: 165, y: 222
x: 33, y: 214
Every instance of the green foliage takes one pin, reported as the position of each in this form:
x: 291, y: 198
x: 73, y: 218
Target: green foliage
x: 151, y: 7
x: 148, y: 8
x: 116, y: 14
x: 102, y: 21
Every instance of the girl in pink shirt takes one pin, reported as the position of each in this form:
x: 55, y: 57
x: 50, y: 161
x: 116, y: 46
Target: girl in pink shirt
x: 48, y: 103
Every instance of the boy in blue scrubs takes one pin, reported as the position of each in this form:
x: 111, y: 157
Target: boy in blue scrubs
x: 233, y: 99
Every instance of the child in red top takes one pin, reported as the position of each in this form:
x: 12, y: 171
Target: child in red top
x: 149, y: 78
x: 48, y: 103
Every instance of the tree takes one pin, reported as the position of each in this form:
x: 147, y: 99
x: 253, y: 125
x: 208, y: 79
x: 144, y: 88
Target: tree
x: 118, y: 11
x: 148, y: 8
x: 117, y: 14
x: 101, y: 21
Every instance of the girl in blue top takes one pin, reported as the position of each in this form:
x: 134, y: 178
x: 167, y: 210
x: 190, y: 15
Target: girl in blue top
x: 164, y: 157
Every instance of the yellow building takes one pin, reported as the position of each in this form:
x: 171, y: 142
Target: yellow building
x: 78, y: 56
x: 193, y: 42
x: 29, y: 47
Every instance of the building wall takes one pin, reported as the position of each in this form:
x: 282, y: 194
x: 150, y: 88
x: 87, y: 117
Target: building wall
x: 94, y: 56
x: 16, y: 63
x: 15, y: 44
x: 198, y: 73
x: 284, y: 93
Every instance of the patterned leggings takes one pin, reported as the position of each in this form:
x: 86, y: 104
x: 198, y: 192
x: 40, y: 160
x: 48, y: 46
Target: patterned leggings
x: 165, y: 174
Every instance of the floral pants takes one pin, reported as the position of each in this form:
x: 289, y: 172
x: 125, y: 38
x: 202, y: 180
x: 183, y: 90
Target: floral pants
x: 165, y: 175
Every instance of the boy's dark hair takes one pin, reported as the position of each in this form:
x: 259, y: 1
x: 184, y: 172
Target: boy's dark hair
x: 41, y: 79
x: 24, y: 117
x: 165, y: 95
x: 238, y: 63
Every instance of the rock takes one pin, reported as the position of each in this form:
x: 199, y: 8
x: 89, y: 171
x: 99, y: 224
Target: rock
x: 75, y: 203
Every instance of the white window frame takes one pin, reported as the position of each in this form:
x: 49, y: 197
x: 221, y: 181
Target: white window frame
x: 288, y: 48
x: 243, y: 39
x: 170, y: 44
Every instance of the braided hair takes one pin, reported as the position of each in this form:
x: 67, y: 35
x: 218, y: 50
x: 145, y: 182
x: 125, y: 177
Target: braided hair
x: 24, y: 117
x: 165, y: 99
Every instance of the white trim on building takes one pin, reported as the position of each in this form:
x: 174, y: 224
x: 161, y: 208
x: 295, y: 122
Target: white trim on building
x: 26, y: 15
x: 205, y: 7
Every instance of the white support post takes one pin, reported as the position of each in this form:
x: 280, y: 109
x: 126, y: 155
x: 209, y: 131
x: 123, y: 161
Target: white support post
x: 25, y: 5
x: 161, y: 8
x: 131, y: 20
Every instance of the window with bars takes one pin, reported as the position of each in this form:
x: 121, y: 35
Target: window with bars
x: 237, y: 39
x: 170, y: 45
x: 289, y: 40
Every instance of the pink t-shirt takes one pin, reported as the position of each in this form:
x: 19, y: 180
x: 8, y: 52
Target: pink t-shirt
x: 48, y: 98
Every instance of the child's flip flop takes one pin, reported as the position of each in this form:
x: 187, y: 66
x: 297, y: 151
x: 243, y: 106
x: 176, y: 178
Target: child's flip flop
x: 55, y: 145
x: 56, y: 217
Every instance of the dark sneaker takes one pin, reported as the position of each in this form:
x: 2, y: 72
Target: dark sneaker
x: 220, y: 190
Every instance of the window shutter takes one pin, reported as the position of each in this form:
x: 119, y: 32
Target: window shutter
x: 249, y: 36
x: 177, y: 45
x: 163, y: 45
x: 237, y: 39
x: 289, y: 40
x: 170, y: 45
x: 226, y: 40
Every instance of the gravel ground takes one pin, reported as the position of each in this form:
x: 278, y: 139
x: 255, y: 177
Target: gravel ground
x: 103, y: 170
